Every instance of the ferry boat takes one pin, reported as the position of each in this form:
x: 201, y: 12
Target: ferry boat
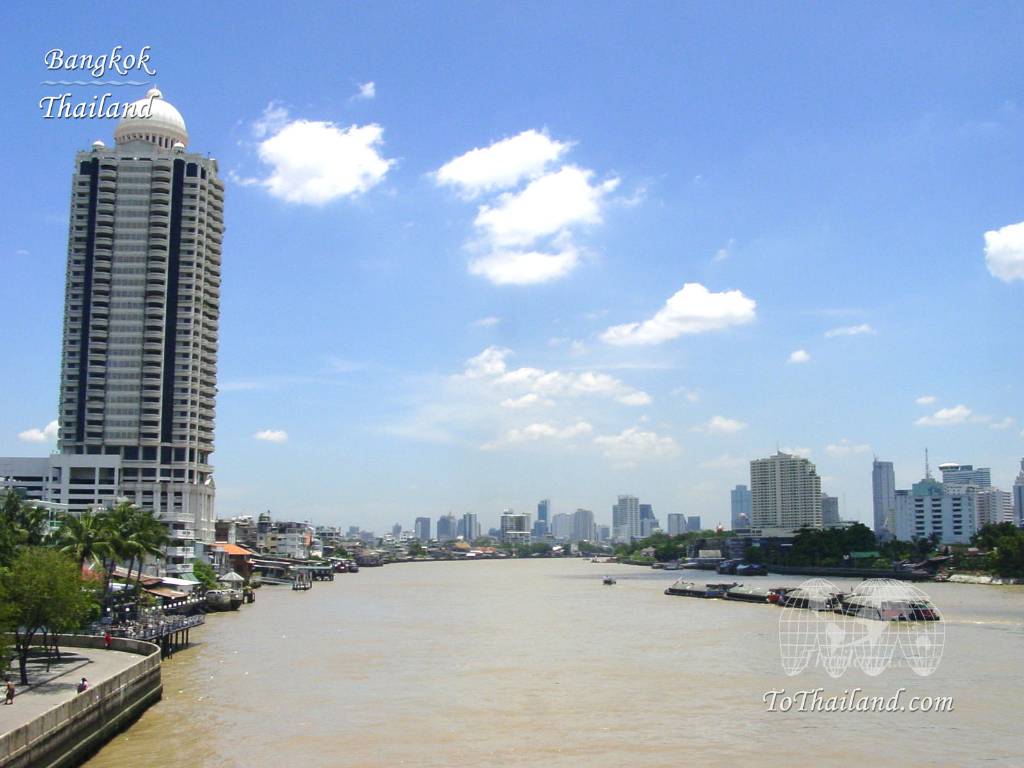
x: 887, y: 608
x: 608, y: 581
x: 682, y: 588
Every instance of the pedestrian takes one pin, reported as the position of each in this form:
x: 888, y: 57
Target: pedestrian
x: 106, y: 639
x: 83, y: 686
x: 9, y: 695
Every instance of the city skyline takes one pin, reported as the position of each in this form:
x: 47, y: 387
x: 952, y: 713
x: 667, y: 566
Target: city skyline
x: 471, y: 301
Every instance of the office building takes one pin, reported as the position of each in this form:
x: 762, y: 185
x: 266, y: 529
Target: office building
x: 785, y: 495
x: 562, y: 526
x: 829, y: 510
x: 515, y: 528
x: 421, y: 529
x: 469, y: 527
x: 933, y: 508
x: 676, y: 524
x: 1018, y: 497
x: 693, y: 523
x: 583, y: 528
x: 883, y: 496
x: 994, y: 507
x: 626, y: 519
x: 447, y: 529
x: 740, y: 503
x: 954, y: 474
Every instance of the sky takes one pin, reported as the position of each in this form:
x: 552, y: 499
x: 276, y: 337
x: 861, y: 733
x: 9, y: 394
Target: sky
x: 480, y: 254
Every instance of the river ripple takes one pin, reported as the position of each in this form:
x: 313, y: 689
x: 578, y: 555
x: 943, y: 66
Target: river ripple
x: 535, y: 663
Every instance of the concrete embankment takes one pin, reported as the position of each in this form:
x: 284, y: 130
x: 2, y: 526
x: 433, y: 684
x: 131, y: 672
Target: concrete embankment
x: 69, y: 732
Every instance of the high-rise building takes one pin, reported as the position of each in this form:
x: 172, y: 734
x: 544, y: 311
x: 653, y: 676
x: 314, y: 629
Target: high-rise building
x: 447, y: 528
x: 931, y: 508
x: 676, y: 524
x: 785, y: 494
x: 515, y: 528
x: 561, y: 526
x: 994, y: 506
x: 422, y: 529
x: 966, y: 474
x: 1018, y: 497
x: 829, y: 510
x: 883, y: 496
x: 541, y: 525
x: 469, y: 526
x: 583, y: 528
x: 626, y: 519
x: 141, y: 314
x: 740, y: 502
x: 693, y: 523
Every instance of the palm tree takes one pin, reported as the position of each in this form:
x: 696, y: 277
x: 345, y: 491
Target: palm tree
x: 84, y: 537
x: 147, y: 538
x: 117, y: 525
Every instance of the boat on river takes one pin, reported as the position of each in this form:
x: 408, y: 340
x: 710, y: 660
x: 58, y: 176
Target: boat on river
x: 608, y: 581
x: 683, y: 588
x: 749, y: 594
x: 887, y: 608
x: 221, y: 600
x: 811, y: 599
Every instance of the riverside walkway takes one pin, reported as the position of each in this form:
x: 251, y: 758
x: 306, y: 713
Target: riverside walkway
x: 46, y: 690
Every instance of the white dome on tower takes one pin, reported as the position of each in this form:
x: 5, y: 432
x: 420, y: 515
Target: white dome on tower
x: 154, y: 120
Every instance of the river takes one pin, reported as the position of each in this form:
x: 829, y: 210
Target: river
x: 536, y: 663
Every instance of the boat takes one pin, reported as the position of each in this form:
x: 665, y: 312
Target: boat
x: 751, y: 569
x: 220, y: 600
x: 887, y: 608
x: 236, y: 598
x: 683, y: 588
x: 748, y: 594
x: 608, y: 581
x: 811, y: 599
x: 728, y: 566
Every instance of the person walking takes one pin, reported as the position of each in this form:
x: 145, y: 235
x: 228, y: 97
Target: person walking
x: 107, y: 640
x: 9, y: 695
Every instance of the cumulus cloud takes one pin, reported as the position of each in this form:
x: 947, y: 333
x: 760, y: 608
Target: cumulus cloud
x: 633, y: 445
x: 945, y: 417
x: 491, y: 366
x: 724, y: 252
x: 692, y: 309
x: 366, y: 90
x: 529, y: 400
x: 849, y: 330
x: 1004, y: 423
x: 804, y: 453
x: 845, y: 448
x: 799, y: 356
x: 272, y: 435
x: 1004, y: 252
x: 926, y: 400
x: 722, y: 425
x: 315, y: 162
x: 47, y: 434
x: 544, y: 431
x: 501, y: 165
x: 505, y: 267
x: 486, y: 322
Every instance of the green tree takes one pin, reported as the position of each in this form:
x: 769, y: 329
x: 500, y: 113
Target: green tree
x: 83, y: 537
x: 8, y: 527
x: 42, y: 591
x: 206, y: 575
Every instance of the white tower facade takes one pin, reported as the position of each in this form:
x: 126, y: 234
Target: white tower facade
x: 785, y: 494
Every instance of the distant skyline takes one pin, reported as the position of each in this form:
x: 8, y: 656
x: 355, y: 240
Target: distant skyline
x: 477, y: 256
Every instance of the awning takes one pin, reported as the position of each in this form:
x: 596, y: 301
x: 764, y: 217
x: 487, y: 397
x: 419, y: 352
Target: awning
x: 167, y: 592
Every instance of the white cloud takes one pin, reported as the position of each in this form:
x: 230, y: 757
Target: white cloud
x: 491, y: 367
x: 632, y: 445
x: 548, y: 205
x: 529, y: 400
x: 524, y: 267
x: 540, y: 431
x: 845, y: 448
x: 724, y: 252
x: 272, y: 435
x: 367, y: 90
x: 722, y: 425
x: 1004, y: 423
x: 692, y: 309
x: 47, y: 434
x: 725, y: 461
x: 945, y: 417
x: 1004, y: 252
x: 849, y: 330
x: 802, y: 452
x: 799, y: 356
x: 315, y: 162
x: 486, y: 322
x: 691, y: 395
x: 501, y: 165
x: 926, y: 400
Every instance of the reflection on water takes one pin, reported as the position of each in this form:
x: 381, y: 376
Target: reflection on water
x: 536, y: 663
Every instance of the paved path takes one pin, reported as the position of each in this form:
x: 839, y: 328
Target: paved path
x: 49, y: 690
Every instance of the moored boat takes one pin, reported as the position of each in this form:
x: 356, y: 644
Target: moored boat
x: 682, y: 588
x: 811, y: 599
x: 608, y: 581
x: 219, y: 600
x: 749, y: 594
x: 887, y: 608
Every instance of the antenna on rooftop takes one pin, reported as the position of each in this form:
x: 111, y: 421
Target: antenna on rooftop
x: 927, y: 466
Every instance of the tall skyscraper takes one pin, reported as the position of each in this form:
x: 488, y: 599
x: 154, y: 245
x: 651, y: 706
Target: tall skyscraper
x: 583, y: 528
x: 470, y: 526
x: 740, y: 502
x: 422, y: 529
x: 883, y: 496
x: 693, y: 523
x: 785, y: 494
x: 676, y: 524
x: 829, y: 510
x: 515, y: 528
x: 540, y: 527
x: 994, y: 506
x: 1018, y: 497
x: 447, y: 528
x: 561, y: 526
x: 626, y: 519
x: 141, y: 314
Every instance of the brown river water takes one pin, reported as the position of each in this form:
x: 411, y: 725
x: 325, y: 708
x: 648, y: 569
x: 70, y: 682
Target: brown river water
x: 536, y: 663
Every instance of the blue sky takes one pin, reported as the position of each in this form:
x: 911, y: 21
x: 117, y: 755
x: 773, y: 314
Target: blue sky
x: 692, y: 233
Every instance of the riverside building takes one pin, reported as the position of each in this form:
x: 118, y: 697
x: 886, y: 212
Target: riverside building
x: 785, y: 495
x: 141, y: 316
x: 883, y: 497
